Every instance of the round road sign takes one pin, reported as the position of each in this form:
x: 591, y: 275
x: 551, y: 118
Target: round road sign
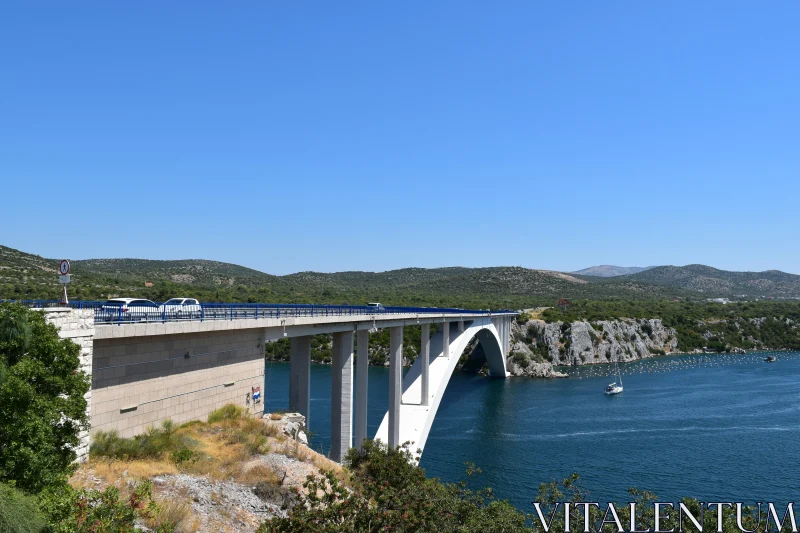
x: 63, y: 268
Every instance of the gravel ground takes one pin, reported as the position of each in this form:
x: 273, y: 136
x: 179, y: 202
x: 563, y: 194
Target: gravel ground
x: 219, y: 505
x: 292, y: 471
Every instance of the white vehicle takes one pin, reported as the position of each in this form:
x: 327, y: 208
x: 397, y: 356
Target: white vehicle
x: 375, y: 305
x: 128, y: 309
x: 181, y: 308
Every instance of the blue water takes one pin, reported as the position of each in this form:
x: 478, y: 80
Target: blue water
x: 718, y: 428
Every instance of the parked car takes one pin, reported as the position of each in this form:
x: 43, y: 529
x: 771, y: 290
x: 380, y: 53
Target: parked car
x: 181, y: 308
x: 127, y: 309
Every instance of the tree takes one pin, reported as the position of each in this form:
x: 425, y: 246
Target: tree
x: 389, y: 493
x: 42, y: 405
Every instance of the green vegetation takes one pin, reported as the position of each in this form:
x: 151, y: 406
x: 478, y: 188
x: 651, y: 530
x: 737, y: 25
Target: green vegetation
x: 321, y: 346
x: 521, y: 359
x: 151, y: 444
x: 42, y: 407
x: 711, y: 281
x: 388, y: 493
x: 93, y: 511
x: 29, y: 276
x: 747, y: 325
x: 19, y: 513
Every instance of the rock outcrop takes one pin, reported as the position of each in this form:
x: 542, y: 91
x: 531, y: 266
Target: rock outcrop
x: 537, y: 345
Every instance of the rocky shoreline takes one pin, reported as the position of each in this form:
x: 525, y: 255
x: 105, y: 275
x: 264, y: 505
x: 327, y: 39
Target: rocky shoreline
x: 538, y: 346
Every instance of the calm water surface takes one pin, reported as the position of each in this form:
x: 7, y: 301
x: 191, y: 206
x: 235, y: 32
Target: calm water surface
x: 718, y: 428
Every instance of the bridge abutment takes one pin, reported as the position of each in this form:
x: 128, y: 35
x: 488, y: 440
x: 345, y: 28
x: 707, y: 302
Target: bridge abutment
x: 77, y: 325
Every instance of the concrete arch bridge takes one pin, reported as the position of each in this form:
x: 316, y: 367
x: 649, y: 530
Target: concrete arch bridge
x: 152, y: 366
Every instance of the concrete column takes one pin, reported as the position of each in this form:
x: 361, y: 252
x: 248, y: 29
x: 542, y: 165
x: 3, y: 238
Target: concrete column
x: 362, y: 373
x: 342, y: 395
x: 446, y: 340
x: 461, y: 326
x: 395, y: 383
x: 300, y: 377
x: 425, y: 355
x: 507, y: 335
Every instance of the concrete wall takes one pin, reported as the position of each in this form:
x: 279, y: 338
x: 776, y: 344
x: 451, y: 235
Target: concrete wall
x: 140, y: 381
x: 77, y: 325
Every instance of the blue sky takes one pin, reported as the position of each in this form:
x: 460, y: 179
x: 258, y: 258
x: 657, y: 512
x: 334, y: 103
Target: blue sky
x: 329, y: 136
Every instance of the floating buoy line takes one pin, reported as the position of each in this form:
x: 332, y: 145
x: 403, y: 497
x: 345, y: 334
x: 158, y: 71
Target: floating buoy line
x: 678, y: 362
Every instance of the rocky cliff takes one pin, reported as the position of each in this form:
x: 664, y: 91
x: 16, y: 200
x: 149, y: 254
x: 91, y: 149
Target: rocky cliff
x: 537, y: 346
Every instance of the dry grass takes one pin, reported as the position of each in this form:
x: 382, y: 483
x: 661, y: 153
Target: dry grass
x: 221, y: 448
x: 175, y: 513
x: 259, y: 474
x: 276, y: 416
x: 111, y: 470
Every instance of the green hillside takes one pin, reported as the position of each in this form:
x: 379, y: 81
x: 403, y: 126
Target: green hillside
x: 25, y: 275
x: 722, y: 283
x: 28, y: 276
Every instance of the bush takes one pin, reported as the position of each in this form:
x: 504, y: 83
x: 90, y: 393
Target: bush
x: 42, y: 408
x: 226, y: 412
x: 521, y: 359
x: 93, y: 511
x: 154, y: 443
x: 389, y: 493
x: 523, y: 318
x: 19, y: 513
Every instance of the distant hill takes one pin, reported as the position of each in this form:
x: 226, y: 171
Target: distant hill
x: 610, y: 271
x: 28, y: 276
x: 25, y: 275
x: 718, y: 283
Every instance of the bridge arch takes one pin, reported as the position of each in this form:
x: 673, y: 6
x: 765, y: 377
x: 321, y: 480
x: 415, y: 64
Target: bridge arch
x: 416, y: 419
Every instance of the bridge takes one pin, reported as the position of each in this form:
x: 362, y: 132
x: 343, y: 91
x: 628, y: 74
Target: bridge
x: 149, y: 366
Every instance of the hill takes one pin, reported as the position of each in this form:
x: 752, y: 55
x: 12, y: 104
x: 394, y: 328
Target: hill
x: 609, y: 271
x: 712, y: 282
x: 29, y: 276
x: 25, y: 275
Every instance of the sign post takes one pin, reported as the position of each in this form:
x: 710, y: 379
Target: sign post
x: 63, y: 269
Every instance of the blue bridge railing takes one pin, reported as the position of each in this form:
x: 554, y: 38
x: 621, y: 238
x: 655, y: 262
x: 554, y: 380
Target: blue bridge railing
x: 147, y: 311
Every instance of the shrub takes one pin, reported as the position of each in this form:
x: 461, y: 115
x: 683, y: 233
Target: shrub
x: 226, y: 412
x: 170, y: 515
x: 184, y: 455
x: 19, y: 513
x: 391, y: 494
x: 42, y: 397
x: 523, y: 318
x: 521, y: 359
x: 93, y: 511
x: 153, y: 443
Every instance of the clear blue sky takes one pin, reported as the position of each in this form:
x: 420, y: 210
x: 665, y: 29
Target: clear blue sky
x: 331, y: 136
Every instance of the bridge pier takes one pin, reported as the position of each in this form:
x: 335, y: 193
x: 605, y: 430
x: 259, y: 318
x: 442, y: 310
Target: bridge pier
x: 425, y: 355
x: 362, y: 375
x: 300, y: 376
x: 395, y: 383
x: 342, y: 395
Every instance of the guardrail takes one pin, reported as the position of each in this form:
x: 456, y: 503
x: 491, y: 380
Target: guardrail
x: 158, y: 312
